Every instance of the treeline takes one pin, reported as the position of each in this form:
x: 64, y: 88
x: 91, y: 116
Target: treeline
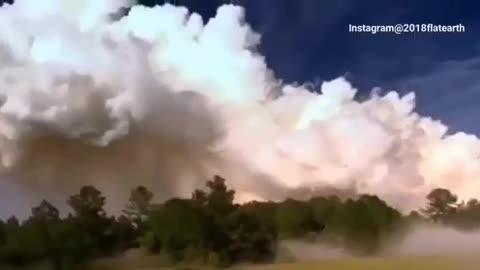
x: 444, y: 208
x: 210, y: 229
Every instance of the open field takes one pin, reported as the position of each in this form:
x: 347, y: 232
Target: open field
x: 405, y: 263
x: 425, y: 263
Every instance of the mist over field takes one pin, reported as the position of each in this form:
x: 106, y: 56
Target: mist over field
x: 438, y: 241
x: 430, y: 241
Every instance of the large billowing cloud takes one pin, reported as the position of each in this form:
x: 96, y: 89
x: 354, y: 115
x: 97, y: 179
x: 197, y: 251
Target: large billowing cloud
x: 162, y: 99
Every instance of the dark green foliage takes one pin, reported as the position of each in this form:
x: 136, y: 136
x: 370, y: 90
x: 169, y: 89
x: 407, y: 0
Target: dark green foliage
x: 251, y: 239
x: 443, y: 208
x: 88, y: 203
x: 330, y: 211
x: 178, y: 225
x: 134, y: 221
x: 265, y: 211
x: 44, y: 234
x: 14, y: 251
x: 415, y: 217
x: 3, y: 234
x: 210, y: 229
x: 125, y: 234
x: 367, y: 222
x: 219, y: 198
x: 90, y: 221
x: 363, y: 225
x: 466, y: 216
x: 441, y: 205
x: 295, y: 219
x: 139, y: 205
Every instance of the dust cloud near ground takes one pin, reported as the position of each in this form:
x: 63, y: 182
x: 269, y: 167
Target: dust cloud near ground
x: 421, y: 241
x: 437, y: 241
x: 303, y: 251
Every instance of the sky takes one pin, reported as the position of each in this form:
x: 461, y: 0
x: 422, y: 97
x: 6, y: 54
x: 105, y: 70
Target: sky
x: 308, y: 40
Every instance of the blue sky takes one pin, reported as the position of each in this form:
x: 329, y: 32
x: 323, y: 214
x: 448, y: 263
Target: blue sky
x: 305, y: 40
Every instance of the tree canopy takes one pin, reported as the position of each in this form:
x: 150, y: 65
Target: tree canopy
x: 210, y: 228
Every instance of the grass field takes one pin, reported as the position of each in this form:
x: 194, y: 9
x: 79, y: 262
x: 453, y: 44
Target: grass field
x: 407, y: 263
x: 437, y: 263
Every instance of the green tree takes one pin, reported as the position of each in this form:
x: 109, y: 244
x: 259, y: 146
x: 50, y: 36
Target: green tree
x: 199, y: 196
x: 441, y: 206
x: 218, y: 202
x: 78, y: 245
x: 329, y: 211
x: 362, y: 233
x: 177, y: 226
x: 251, y: 240
x: 119, y: 234
x: 14, y: 251
x: 42, y: 226
x: 218, y: 197
x: 89, y: 202
x: 296, y: 219
x: 3, y: 234
x: 467, y: 216
x: 139, y: 205
x: 265, y: 212
x: 90, y: 218
x: 46, y: 212
x: 415, y: 217
x: 369, y: 224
